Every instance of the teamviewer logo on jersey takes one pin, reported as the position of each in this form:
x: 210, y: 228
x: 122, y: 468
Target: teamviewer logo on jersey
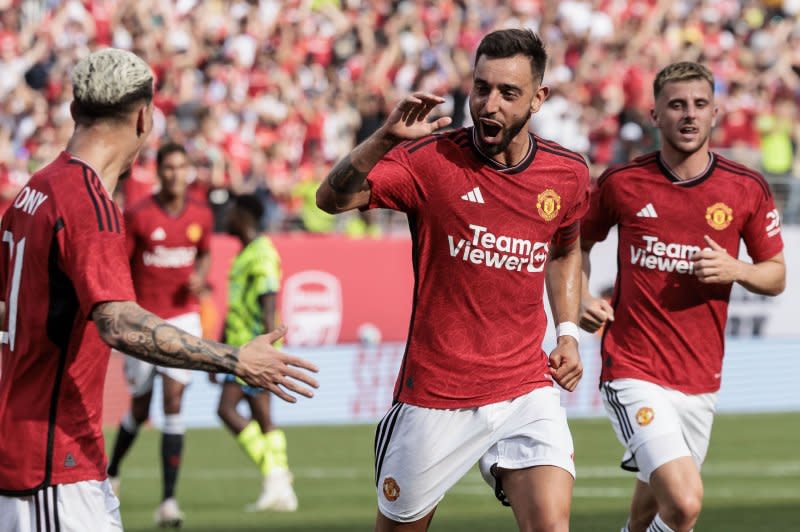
x: 499, y: 251
x: 473, y: 196
x: 647, y: 212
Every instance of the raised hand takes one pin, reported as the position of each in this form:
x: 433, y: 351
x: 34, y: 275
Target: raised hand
x: 261, y: 365
x: 409, y: 119
x: 594, y: 313
x: 713, y: 265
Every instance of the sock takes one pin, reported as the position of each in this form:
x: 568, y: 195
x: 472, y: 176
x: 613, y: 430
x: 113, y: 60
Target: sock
x: 128, y: 429
x: 275, y: 452
x: 252, y: 441
x: 171, y: 449
x: 659, y: 526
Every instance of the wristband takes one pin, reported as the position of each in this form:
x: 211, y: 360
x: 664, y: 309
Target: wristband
x: 568, y: 328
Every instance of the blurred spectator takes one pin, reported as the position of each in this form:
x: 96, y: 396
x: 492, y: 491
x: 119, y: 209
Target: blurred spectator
x: 253, y: 87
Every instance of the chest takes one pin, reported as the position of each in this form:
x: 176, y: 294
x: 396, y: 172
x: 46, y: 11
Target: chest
x: 158, y: 229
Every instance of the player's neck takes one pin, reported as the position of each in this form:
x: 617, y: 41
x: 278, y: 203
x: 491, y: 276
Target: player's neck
x: 248, y: 236
x: 102, y: 155
x: 683, y: 166
x: 172, y: 204
x: 516, y: 151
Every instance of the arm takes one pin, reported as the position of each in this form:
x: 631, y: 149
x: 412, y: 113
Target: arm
x: 198, y: 278
x: 346, y: 186
x: 714, y: 265
x: 563, y: 278
x: 127, y: 327
x: 268, y: 305
x: 595, y: 311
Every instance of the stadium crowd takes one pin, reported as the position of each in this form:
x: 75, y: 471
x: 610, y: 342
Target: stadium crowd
x: 268, y: 94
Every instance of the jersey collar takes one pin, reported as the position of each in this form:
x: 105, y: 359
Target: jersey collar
x: 693, y: 182
x: 500, y: 167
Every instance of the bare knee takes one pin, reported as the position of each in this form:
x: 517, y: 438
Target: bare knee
x: 682, y: 511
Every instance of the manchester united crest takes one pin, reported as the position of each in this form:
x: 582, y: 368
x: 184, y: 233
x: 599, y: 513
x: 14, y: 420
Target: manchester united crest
x: 719, y: 216
x: 548, y: 203
x: 390, y: 489
x: 194, y: 232
x: 644, y: 416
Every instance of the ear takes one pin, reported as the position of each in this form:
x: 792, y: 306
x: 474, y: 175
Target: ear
x: 539, y: 97
x: 140, y: 121
x: 714, y: 116
x: 653, y: 117
x: 73, y: 110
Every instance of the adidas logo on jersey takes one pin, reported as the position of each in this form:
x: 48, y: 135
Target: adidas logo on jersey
x: 473, y: 196
x: 647, y: 212
x: 158, y: 235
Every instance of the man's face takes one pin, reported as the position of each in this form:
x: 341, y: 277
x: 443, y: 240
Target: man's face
x: 503, y: 97
x: 172, y: 174
x: 685, y: 113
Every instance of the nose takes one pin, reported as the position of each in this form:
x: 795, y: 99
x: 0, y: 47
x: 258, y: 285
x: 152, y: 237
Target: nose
x: 492, y: 104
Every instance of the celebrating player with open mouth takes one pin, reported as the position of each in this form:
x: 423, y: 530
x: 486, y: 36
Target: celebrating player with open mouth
x: 487, y: 206
x: 680, y: 213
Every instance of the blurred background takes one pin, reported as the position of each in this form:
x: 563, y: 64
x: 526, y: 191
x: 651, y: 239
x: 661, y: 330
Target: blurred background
x: 268, y: 94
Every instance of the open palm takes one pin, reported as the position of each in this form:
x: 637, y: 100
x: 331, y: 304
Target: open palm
x: 409, y: 119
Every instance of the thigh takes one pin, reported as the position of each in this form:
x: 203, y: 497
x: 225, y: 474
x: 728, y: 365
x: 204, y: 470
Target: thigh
x: 88, y: 505
x: 534, y: 433
x: 697, y: 417
x: 139, y: 375
x: 190, y: 323
x: 420, y: 453
x: 646, y: 422
x: 540, y: 496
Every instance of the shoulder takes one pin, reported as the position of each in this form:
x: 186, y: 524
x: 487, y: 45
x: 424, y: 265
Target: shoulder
x: 561, y: 154
x: 453, y: 139
x: 746, y: 176
x: 635, y: 166
x: 198, y: 206
x: 138, y: 208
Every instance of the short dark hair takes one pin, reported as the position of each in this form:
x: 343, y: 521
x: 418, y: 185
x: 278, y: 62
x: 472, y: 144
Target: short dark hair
x: 166, y: 149
x: 511, y: 42
x: 250, y: 204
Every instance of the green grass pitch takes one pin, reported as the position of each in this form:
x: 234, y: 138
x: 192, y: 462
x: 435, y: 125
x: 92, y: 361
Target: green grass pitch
x: 752, y: 481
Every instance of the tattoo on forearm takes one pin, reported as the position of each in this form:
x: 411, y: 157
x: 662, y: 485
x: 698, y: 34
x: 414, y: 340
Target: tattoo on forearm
x: 133, y: 330
x: 346, y: 178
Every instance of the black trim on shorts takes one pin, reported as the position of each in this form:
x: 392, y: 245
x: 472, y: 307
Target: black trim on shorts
x: 56, y: 520
x: 380, y: 454
x: 37, y: 509
x: 46, y: 510
x: 619, y: 410
x: 498, y: 487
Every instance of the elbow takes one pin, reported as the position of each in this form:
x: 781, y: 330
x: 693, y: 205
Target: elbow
x: 326, y: 201
x: 779, y: 288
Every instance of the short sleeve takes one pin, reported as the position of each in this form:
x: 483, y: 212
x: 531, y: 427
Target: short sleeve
x: 762, y: 230
x: 394, y: 184
x: 569, y: 228
x: 94, y: 249
x: 601, y: 215
x: 265, y: 272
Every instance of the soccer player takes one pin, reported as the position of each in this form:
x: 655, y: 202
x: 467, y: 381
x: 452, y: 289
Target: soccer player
x: 167, y: 236
x: 680, y: 214
x: 254, y: 281
x: 66, y: 287
x: 494, y: 213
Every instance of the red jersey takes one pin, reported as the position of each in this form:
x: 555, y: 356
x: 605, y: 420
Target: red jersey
x: 163, y: 249
x: 63, y: 251
x: 481, y: 236
x: 668, y: 327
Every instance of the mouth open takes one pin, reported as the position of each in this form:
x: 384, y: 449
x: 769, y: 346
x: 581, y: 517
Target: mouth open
x: 490, y: 130
x: 688, y: 130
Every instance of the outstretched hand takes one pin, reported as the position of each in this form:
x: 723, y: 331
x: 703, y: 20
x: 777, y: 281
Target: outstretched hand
x: 261, y: 365
x: 713, y: 265
x: 409, y: 119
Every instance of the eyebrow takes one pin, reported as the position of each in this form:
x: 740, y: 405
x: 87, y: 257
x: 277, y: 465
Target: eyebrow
x: 501, y: 86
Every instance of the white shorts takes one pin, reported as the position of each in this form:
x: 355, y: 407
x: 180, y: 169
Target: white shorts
x: 88, y: 505
x: 140, y: 374
x: 656, y: 424
x: 420, y: 453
